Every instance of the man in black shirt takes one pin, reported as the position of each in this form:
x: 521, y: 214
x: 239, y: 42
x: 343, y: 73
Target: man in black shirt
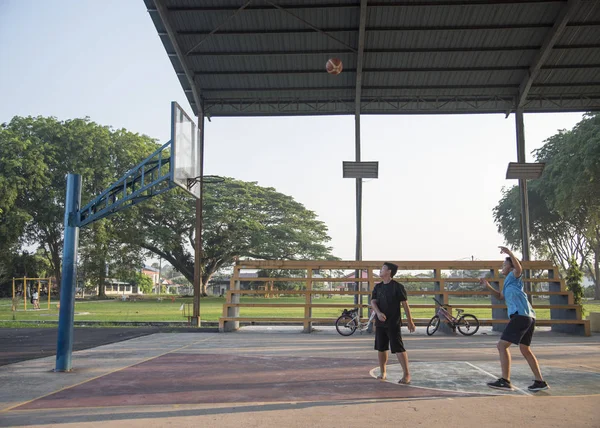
x: 385, y: 301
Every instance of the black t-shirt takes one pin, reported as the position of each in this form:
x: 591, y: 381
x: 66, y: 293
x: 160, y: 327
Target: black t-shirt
x: 389, y: 296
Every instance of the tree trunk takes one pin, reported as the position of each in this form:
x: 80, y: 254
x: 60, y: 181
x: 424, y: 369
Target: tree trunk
x: 102, y: 282
x: 205, y: 279
x: 102, y: 289
x: 56, y: 268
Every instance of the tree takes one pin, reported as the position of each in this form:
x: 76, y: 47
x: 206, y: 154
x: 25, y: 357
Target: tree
x: 143, y: 282
x: 103, y: 256
x: 282, y: 273
x: 572, y: 182
x: 241, y: 219
x: 564, y: 202
x: 574, y: 278
x: 167, y: 271
x: 44, y: 150
x: 551, y: 235
x: 23, y: 172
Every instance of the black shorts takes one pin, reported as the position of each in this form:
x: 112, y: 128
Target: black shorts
x: 519, y: 330
x: 388, y: 337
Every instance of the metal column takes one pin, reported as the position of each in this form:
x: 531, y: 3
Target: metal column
x: 64, y: 346
x: 198, y: 247
x: 523, y: 195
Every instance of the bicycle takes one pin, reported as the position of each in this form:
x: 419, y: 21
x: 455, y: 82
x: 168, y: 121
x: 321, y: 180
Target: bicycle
x: 349, y: 322
x: 467, y: 324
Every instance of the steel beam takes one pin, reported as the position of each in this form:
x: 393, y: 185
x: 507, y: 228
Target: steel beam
x: 547, y: 45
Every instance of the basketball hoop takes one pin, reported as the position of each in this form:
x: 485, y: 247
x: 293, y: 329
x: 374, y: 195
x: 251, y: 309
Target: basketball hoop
x: 206, y: 179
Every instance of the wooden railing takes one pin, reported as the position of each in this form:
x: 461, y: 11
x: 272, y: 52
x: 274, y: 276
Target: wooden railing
x: 565, y: 316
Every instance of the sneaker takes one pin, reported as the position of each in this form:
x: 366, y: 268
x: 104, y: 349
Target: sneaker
x: 501, y: 384
x: 538, y: 385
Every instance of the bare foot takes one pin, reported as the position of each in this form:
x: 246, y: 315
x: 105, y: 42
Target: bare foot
x: 382, y: 376
x: 404, y: 381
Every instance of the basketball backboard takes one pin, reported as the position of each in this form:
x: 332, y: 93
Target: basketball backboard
x: 185, y: 151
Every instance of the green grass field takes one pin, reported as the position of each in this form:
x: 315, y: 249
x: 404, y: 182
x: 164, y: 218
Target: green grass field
x: 211, y: 309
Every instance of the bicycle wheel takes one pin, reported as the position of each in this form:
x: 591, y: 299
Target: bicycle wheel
x: 468, y: 324
x: 345, y: 325
x: 434, y: 324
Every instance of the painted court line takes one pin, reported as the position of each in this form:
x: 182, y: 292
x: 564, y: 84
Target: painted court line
x: 455, y: 391
x: 495, y: 377
x: 170, y: 406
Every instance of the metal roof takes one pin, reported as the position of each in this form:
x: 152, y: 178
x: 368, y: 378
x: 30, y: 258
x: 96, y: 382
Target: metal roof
x: 267, y: 58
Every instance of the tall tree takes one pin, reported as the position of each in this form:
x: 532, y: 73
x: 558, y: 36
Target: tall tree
x: 24, y: 172
x: 572, y: 182
x: 241, y: 219
x: 56, y: 148
x: 564, y: 202
x: 552, y: 235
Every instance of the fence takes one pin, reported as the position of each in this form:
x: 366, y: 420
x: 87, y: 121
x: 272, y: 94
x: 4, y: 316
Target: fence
x: 440, y: 279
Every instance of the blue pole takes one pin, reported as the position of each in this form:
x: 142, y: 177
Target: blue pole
x: 64, y: 346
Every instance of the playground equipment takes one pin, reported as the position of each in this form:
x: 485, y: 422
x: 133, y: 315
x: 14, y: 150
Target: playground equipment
x: 25, y: 292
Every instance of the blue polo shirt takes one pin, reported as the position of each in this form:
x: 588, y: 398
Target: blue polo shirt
x: 515, y: 297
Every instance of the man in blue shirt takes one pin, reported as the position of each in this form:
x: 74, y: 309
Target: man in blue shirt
x: 519, y: 329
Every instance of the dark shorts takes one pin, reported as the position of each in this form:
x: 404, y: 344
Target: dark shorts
x: 388, y: 338
x: 519, y: 330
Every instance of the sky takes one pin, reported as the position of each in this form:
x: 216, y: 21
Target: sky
x: 439, y: 176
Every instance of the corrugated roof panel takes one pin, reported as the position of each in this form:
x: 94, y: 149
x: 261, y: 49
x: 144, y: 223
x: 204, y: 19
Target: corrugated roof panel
x: 431, y: 57
x: 441, y: 78
x: 268, y: 43
x: 439, y: 91
x: 476, y: 14
x: 322, y: 94
x: 264, y: 19
x: 587, y: 10
x: 263, y: 63
x: 580, y: 35
x: 441, y: 39
x: 234, y: 4
x: 565, y: 91
x: 447, y: 59
x: 277, y: 81
x: 574, y: 56
x: 572, y: 76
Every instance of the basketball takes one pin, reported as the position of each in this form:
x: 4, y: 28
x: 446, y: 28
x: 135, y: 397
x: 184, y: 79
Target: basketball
x: 334, y: 66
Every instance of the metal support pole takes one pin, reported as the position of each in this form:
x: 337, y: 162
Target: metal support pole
x: 357, y: 104
x: 198, y: 246
x: 524, y: 197
x: 358, y: 273
x: 64, y: 346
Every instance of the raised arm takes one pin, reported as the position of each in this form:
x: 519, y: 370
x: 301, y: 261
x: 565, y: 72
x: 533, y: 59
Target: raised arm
x: 515, y: 262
